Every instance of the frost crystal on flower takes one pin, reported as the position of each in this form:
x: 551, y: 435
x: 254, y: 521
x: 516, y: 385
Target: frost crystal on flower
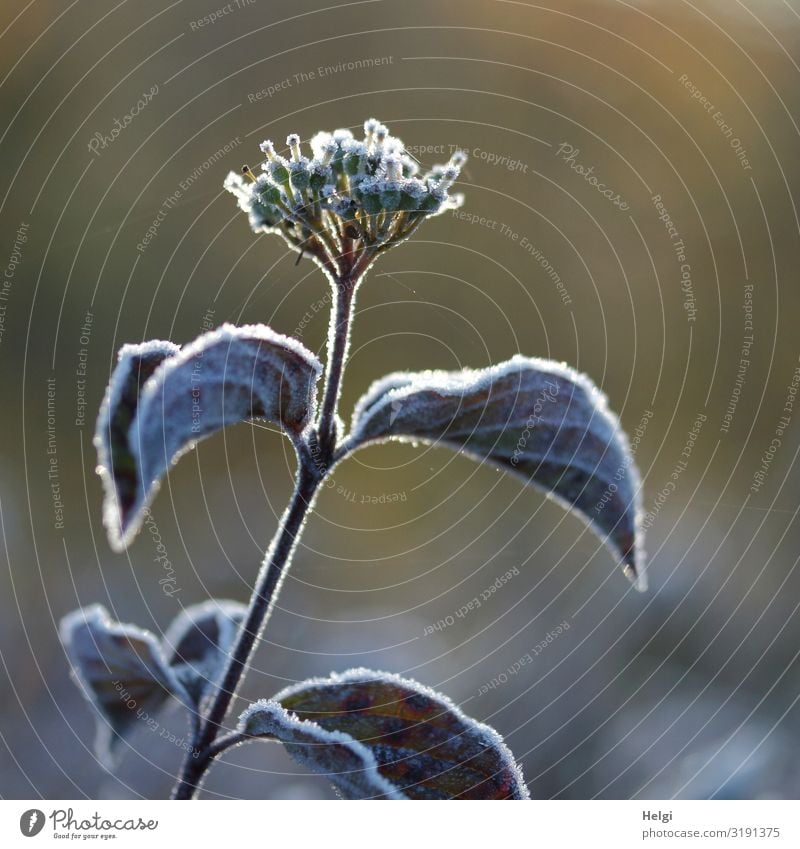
x: 351, y: 200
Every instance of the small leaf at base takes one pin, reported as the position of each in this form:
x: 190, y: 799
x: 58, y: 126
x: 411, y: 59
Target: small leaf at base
x: 121, y: 670
x: 127, y: 673
x: 198, y: 643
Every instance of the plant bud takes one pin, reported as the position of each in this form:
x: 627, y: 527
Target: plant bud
x: 372, y: 200
x: 268, y: 149
x: 410, y: 199
x: 449, y: 176
x: 393, y: 169
x: 278, y: 170
x: 319, y: 177
x: 300, y: 176
x: 293, y: 141
x: 369, y: 131
x: 269, y: 194
x: 390, y: 199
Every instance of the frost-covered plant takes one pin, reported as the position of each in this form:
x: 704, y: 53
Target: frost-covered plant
x: 373, y: 734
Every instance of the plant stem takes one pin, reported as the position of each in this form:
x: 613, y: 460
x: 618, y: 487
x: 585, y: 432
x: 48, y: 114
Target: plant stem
x: 310, y: 474
x: 339, y: 340
x: 262, y: 602
x: 225, y: 742
x: 344, y: 293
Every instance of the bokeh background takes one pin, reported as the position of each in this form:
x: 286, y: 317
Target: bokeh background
x: 687, y: 691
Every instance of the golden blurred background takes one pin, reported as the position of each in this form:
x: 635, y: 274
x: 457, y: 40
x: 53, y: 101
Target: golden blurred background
x: 678, y: 295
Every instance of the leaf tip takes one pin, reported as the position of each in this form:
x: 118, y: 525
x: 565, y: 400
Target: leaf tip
x: 636, y: 575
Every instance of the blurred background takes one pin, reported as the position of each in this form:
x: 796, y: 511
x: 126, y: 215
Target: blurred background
x: 678, y: 295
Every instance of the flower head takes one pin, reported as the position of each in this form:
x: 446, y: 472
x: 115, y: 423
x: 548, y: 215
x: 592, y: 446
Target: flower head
x: 351, y: 200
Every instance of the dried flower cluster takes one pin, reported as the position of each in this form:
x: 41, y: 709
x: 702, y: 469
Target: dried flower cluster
x: 352, y: 198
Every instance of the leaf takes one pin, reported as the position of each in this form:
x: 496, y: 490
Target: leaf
x: 377, y: 735
x: 198, y: 642
x: 347, y: 763
x: 121, y: 670
x: 116, y: 462
x: 539, y: 419
x: 127, y: 673
x: 222, y: 378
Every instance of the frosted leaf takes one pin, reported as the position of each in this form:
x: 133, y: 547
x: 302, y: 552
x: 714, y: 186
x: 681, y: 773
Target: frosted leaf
x: 536, y: 418
x: 198, y: 643
x: 377, y: 735
x: 222, y: 378
x: 121, y: 670
x: 116, y: 463
x: 348, y: 764
x: 128, y: 673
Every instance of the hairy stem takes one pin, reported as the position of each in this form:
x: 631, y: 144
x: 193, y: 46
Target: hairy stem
x: 339, y: 340
x: 344, y: 295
